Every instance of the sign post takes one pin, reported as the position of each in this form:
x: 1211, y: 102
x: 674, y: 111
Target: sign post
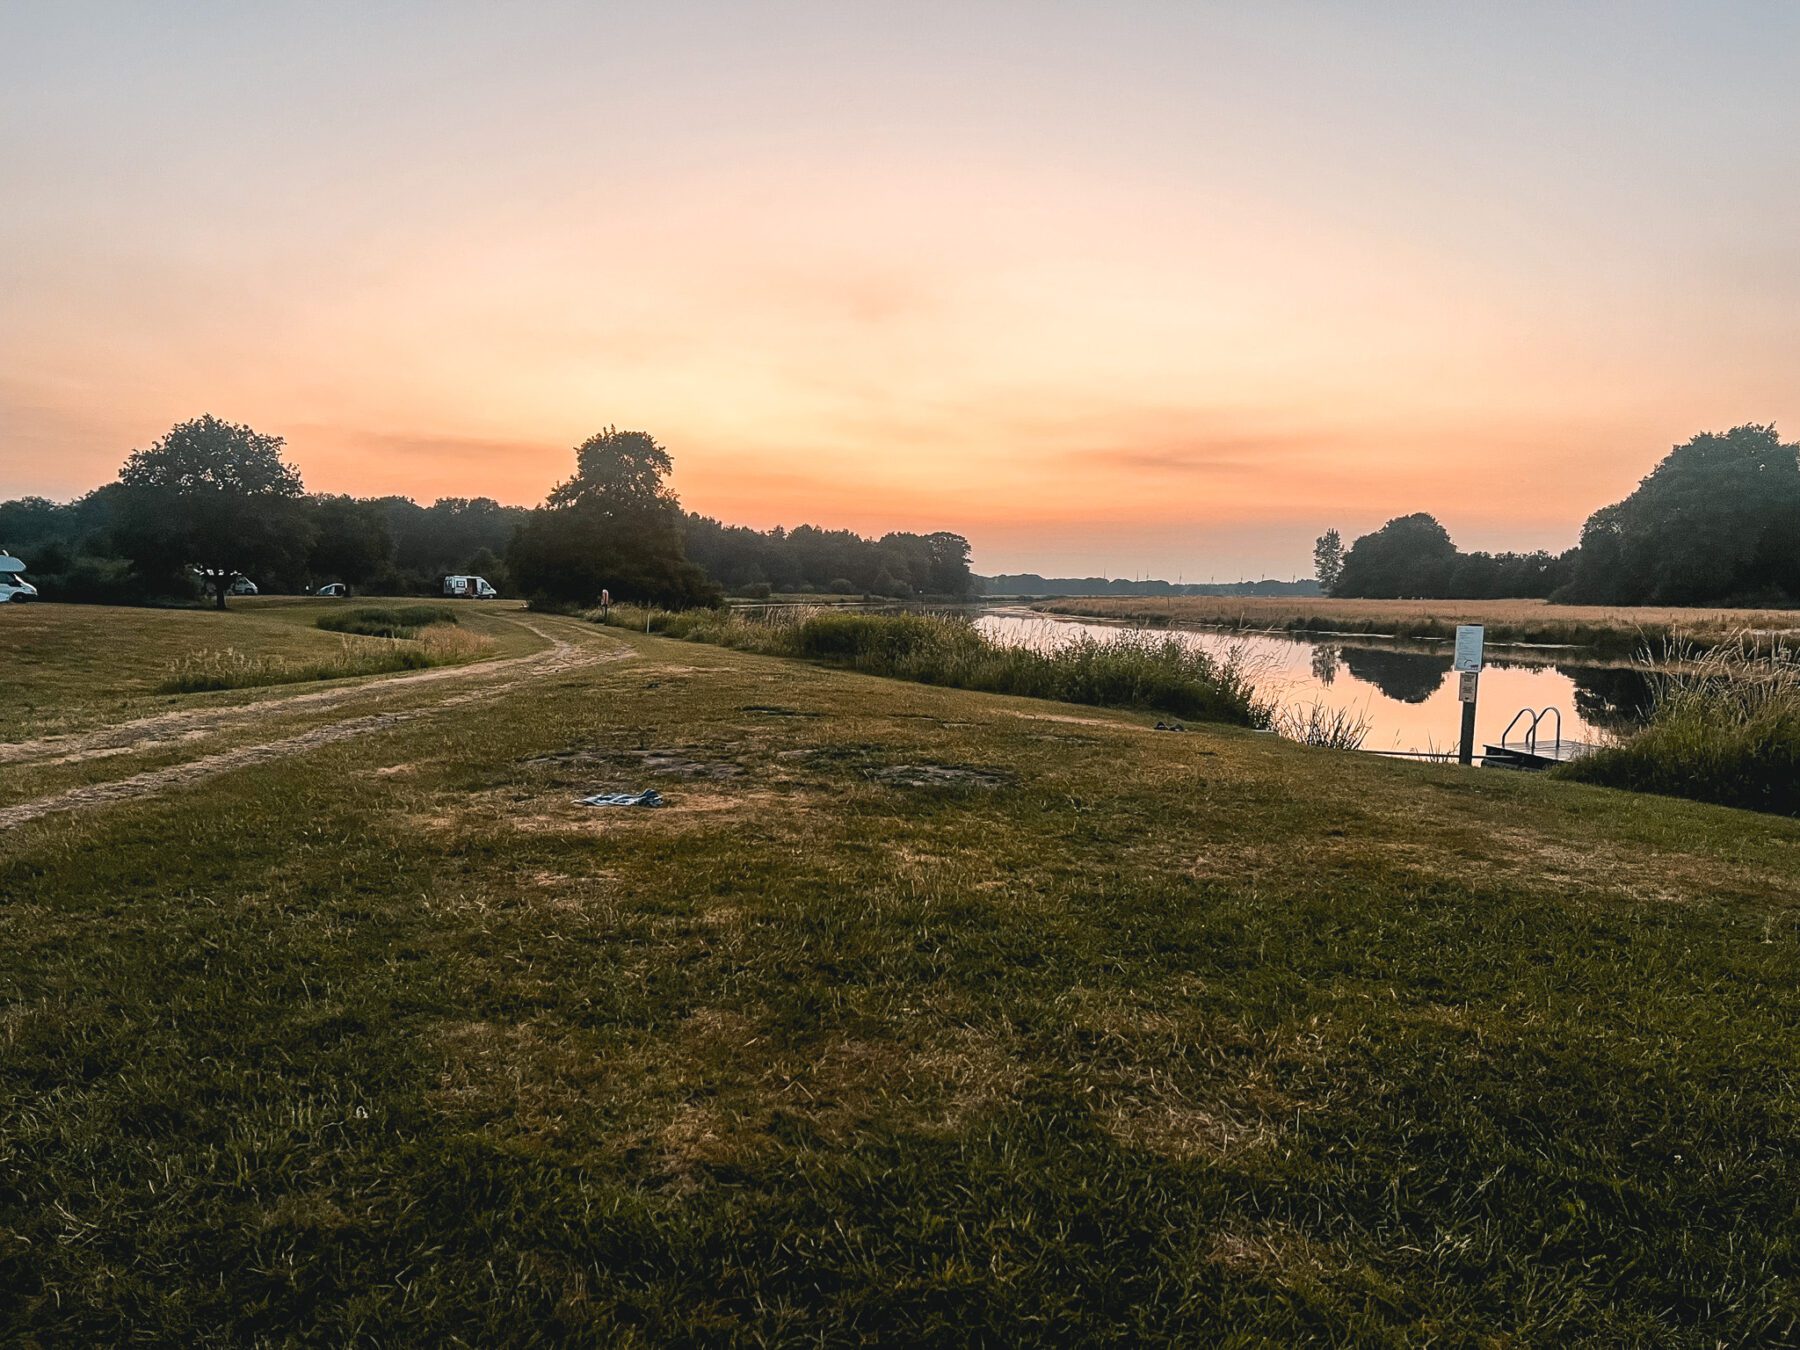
x: 1468, y: 668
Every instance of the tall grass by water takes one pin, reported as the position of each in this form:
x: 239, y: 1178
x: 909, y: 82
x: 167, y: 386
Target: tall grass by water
x: 1318, y: 725
x: 1724, y: 727
x: 231, y: 668
x: 1143, y: 671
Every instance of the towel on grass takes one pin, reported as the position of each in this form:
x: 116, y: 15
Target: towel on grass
x: 648, y: 797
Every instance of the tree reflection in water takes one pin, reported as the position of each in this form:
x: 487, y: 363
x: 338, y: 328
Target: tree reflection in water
x: 1324, y: 663
x: 1409, y: 677
x: 1615, y: 698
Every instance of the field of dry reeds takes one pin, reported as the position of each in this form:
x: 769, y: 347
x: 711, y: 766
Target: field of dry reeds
x: 1609, y: 627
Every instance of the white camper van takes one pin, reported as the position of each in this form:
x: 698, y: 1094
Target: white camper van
x: 470, y: 588
x: 13, y: 585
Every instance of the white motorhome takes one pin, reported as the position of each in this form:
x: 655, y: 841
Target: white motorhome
x: 470, y: 588
x: 13, y: 585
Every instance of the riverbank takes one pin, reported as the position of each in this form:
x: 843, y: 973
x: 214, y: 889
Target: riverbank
x: 917, y: 1015
x: 1608, y: 629
x: 1128, y: 670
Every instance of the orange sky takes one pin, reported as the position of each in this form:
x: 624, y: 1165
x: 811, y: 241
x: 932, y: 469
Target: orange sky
x: 1157, y: 289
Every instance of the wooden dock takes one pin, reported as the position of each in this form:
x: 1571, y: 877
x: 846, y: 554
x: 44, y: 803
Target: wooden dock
x: 1534, y: 754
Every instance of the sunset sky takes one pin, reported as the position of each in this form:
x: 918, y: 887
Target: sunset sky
x: 1134, y: 288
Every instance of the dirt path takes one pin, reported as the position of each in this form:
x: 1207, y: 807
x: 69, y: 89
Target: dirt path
x: 562, y: 655
x: 197, y: 723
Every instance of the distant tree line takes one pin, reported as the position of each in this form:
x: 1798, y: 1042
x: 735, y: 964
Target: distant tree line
x: 837, y: 562
x: 1413, y: 556
x: 212, y: 501
x: 1717, y: 522
x: 1030, y: 583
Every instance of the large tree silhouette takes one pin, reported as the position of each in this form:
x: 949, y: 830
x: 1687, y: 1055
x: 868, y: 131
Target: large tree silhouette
x: 215, y: 496
x: 614, y: 526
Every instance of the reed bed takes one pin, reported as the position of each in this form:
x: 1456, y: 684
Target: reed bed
x: 1610, y: 628
x: 1724, y: 727
x: 439, y: 644
x: 1143, y: 671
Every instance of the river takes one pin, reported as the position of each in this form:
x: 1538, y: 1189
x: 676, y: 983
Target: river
x: 1405, y: 691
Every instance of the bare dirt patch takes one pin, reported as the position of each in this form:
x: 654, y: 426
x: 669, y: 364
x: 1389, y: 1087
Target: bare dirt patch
x: 685, y: 761
x: 1073, y: 721
x: 940, y: 776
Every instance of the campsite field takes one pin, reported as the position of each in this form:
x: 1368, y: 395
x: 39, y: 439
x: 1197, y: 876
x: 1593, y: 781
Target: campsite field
x: 72, y: 667
x: 1532, y: 621
x: 917, y: 1015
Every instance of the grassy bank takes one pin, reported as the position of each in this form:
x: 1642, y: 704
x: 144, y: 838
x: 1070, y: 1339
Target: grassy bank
x: 213, y: 668
x: 1132, y: 670
x: 1724, y: 728
x: 918, y: 1016
x: 1602, y: 628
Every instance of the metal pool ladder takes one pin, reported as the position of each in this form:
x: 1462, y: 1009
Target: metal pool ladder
x: 1532, y: 750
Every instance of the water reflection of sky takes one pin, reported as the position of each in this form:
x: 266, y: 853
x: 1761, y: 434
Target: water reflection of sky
x: 1409, y: 696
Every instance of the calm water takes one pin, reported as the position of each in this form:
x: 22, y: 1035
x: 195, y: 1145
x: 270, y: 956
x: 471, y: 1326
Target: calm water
x: 1407, y: 693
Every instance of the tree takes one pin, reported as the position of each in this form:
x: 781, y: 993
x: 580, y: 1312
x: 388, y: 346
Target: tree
x: 1328, y: 559
x: 949, y: 572
x: 214, y: 496
x: 614, y: 526
x: 351, y: 542
x: 622, y: 469
x: 1717, y: 520
x: 1408, y: 556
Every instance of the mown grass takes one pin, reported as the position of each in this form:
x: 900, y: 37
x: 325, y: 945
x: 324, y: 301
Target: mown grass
x: 1618, y: 629
x: 1134, y: 1039
x: 1130, y: 670
x: 1723, y: 727
x: 232, y: 668
x: 403, y: 621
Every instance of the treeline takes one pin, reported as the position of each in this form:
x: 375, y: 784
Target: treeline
x: 213, y: 501
x: 1414, y: 556
x: 1717, y: 522
x: 837, y: 562
x: 109, y: 547
x: 1030, y: 583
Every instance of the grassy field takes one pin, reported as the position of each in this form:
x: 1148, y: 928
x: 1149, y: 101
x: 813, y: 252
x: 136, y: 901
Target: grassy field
x: 69, y: 667
x: 919, y: 1016
x: 1526, y: 621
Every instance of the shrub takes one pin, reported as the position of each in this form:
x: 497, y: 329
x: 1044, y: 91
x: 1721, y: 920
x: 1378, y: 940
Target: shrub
x: 756, y: 590
x: 403, y: 621
x: 1724, y: 728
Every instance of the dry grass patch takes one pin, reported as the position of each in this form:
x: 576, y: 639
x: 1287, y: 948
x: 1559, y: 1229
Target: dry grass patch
x: 1181, y: 1130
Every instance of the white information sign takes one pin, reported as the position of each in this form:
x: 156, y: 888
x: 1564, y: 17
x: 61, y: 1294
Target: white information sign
x: 1468, y: 647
